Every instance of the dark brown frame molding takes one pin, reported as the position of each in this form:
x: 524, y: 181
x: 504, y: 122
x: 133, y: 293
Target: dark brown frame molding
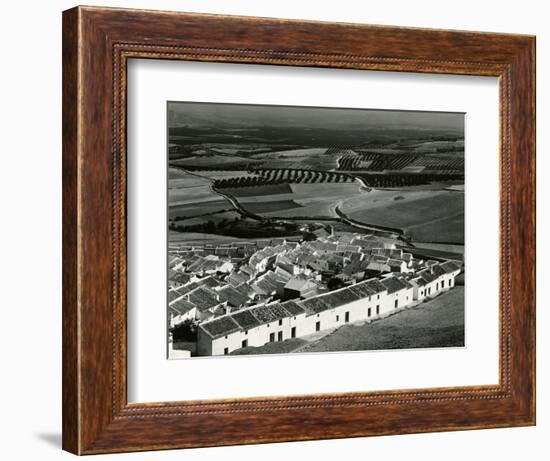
x: 97, y: 43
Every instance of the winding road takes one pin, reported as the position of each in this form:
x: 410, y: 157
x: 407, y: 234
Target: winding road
x: 341, y: 217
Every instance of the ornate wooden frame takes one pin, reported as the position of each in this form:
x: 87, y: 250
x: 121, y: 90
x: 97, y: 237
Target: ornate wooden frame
x: 97, y: 43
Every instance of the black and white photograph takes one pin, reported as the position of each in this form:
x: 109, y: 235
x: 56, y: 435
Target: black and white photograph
x: 311, y: 229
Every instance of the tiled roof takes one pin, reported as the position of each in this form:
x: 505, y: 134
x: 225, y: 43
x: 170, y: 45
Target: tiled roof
x: 236, y: 278
x: 181, y: 306
x: 282, y: 274
x: 350, y: 248
x: 362, y: 290
x: 220, y: 326
x: 293, y: 308
x: 245, y: 290
x: 393, y: 284
x: 265, y: 284
x: 314, y: 305
x: 248, y: 270
x: 245, y: 319
x: 232, y: 296
x: 205, y: 264
x: 203, y: 297
x: 420, y: 281
x: 179, y: 277
x: 176, y: 293
x: 209, y: 282
x: 340, y: 297
x: 427, y: 275
x: 450, y: 266
x: 375, y: 286
x: 266, y: 314
x: 438, y: 271
x: 354, y: 267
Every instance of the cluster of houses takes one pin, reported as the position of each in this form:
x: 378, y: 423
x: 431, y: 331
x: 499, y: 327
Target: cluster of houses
x: 249, y: 294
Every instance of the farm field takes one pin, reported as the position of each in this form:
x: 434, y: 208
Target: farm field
x: 191, y: 195
x: 438, y: 322
x: 317, y: 199
x: 441, y: 247
x: 292, y: 202
x: 197, y: 238
x: 258, y: 191
x: 188, y: 210
x: 194, y: 195
x: 178, y: 179
x: 293, y: 154
x: 205, y: 216
x: 310, y: 158
x: 435, y: 323
x: 447, y: 229
x: 209, y: 160
x: 263, y: 207
x: 457, y: 185
x: 221, y: 174
x: 429, y: 216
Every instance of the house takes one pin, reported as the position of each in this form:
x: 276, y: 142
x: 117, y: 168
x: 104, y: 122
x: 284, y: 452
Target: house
x: 397, y: 265
x: 205, y: 299
x: 420, y: 291
x: 210, y: 265
x: 379, y: 263
x: 400, y: 293
x: 299, y: 288
x: 255, y: 327
x: 237, y: 278
x: 181, y: 310
x: 287, y: 265
x: 282, y: 274
x: 265, y: 286
x: 278, y: 293
x: 176, y: 293
x: 258, y: 325
x: 232, y: 296
x: 318, y: 265
x: 179, y: 278
x: 209, y: 281
x: 248, y: 271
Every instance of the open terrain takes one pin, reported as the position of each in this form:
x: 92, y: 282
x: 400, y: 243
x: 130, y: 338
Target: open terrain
x: 319, y: 199
x: 426, y: 215
x: 435, y: 323
x: 438, y: 322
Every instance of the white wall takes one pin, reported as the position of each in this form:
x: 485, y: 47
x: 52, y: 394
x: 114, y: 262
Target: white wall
x: 30, y: 191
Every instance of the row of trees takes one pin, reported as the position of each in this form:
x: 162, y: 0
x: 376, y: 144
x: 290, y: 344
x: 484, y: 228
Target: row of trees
x: 272, y: 176
x: 401, y: 180
x: 380, y: 162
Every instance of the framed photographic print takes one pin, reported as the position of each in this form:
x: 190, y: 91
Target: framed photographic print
x: 281, y: 230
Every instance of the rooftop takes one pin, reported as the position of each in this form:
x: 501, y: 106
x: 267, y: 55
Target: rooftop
x: 220, y: 326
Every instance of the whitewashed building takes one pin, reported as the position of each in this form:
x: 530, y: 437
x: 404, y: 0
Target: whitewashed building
x: 369, y: 300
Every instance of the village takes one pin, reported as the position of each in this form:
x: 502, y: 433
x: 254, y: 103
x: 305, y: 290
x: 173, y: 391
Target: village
x: 243, y: 295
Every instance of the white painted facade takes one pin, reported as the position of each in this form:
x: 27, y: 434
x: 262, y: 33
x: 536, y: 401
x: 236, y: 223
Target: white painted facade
x: 366, y: 308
